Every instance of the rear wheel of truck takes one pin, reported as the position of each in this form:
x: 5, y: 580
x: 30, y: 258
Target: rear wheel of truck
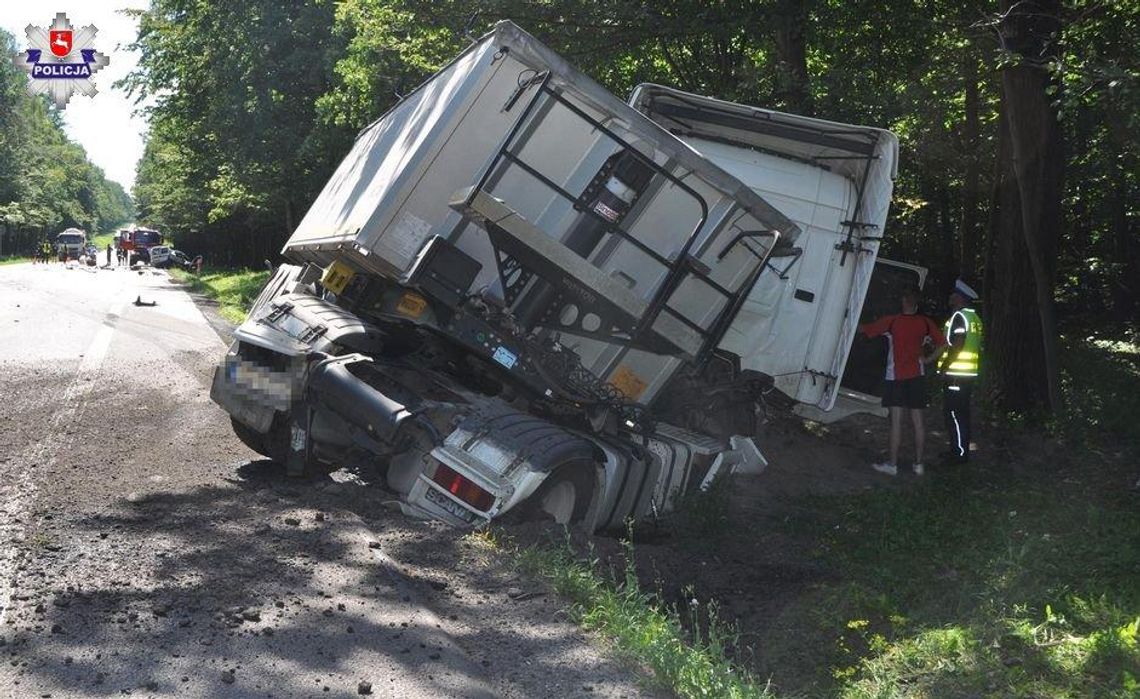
x: 564, y: 496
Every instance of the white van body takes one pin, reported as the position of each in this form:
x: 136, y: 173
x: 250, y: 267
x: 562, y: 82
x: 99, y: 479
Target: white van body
x: 834, y: 181
x: 393, y: 192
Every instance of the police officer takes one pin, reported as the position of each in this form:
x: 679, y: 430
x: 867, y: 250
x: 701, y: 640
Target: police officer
x: 959, y: 368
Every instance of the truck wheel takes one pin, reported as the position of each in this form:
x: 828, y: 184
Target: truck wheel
x: 564, y: 496
x: 249, y: 436
x: 272, y: 445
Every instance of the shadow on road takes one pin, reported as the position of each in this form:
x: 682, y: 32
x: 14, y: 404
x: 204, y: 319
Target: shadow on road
x: 270, y: 587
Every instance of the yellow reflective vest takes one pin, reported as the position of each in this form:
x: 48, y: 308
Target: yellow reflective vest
x: 963, y: 363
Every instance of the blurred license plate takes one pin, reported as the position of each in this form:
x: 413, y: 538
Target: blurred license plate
x: 450, y: 506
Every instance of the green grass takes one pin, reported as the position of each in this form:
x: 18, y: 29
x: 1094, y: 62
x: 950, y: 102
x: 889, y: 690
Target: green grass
x: 102, y: 240
x: 983, y: 583
x: 234, y: 290
x: 14, y: 260
x: 1100, y: 379
x: 1018, y: 576
x: 644, y: 630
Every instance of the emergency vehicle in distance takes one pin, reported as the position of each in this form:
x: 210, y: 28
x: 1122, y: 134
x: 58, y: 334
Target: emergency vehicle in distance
x: 137, y: 243
x: 70, y: 243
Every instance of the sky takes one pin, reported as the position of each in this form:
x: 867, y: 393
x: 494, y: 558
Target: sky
x: 105, y: 125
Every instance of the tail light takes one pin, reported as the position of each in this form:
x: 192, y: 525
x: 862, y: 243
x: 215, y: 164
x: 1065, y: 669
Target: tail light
x: 463, y: 488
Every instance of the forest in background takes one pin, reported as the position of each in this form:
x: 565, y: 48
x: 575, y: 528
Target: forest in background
x: 46, y: 181
x: 1017, y: 122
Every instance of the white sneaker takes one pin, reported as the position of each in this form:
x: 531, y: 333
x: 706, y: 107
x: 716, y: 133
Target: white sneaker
x: 887, y: 468
x: 919, y: 469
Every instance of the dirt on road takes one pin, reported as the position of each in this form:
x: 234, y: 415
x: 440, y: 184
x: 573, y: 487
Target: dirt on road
x: 148, y: 552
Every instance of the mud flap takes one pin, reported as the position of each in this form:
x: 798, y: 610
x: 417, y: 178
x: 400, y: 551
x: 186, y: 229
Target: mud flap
x: 299, y: 456
x: 742, y: 456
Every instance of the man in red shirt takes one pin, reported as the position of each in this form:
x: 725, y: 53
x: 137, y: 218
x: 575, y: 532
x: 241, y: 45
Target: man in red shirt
x: 913, y: 343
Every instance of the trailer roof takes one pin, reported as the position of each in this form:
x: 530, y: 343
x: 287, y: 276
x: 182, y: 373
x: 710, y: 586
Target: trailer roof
x: 525, y: 48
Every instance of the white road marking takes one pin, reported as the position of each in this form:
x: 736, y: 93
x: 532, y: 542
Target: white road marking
x: 20, y: 494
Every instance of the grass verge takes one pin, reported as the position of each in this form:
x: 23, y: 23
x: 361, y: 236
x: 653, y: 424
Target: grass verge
x: 983, y: 584
x: 234, y: 290
x: 644, y: 630
x: 14, y: 260
x: 1014, y: 577
x: 102, y: 240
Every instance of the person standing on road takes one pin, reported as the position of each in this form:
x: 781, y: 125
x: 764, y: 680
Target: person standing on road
x: 913, y: 342
x: 959, y: 369
x: 108, y: 254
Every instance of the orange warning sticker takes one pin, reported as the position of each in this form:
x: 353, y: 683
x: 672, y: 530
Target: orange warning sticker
x: 411, y: 305
x: 628, y: 382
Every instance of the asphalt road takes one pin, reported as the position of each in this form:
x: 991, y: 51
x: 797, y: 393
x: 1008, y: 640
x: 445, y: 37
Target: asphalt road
x: 145, y: 551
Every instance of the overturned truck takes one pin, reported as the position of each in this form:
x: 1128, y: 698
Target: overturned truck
x: 518, y: 293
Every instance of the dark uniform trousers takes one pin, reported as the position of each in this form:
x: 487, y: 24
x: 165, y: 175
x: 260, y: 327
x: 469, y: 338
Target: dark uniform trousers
x: 956, y: 409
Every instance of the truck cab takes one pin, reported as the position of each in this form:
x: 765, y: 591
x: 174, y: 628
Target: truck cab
x: 137, y: 243
x: 835, y: 182
x: 71, y: 243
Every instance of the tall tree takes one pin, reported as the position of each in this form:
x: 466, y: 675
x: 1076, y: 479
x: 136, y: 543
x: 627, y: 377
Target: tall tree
x: 234, y: 89
x: 1029, y: 31
x: 793, y: 83
x: 46, y: 181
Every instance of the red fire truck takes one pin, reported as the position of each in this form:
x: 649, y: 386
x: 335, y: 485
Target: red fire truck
x: 137, y: 242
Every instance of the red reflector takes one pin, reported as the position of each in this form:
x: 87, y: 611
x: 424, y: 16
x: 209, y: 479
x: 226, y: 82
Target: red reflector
x: 463, y: 488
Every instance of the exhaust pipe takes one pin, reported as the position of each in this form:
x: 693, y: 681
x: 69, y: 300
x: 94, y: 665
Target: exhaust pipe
x: 332, y: 384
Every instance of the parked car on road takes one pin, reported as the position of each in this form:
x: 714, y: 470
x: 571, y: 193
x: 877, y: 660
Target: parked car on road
x: 160, y: 256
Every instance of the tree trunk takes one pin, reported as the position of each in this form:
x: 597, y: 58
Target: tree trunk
x: 1029, y: 29
x: 1014, y: 350
x: 968, y: 237
x: 793, y: 84
x: 1126, y: 278
x: 949, y: 251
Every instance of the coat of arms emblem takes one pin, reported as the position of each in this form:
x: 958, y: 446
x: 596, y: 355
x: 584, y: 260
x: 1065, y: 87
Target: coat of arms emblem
x: 60, y: 61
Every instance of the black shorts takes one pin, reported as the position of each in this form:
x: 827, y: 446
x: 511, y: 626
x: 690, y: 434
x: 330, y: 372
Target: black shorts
x: 908, y: 393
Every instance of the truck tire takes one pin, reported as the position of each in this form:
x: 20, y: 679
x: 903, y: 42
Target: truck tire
x: 564, y: 496
x: 271, y: 445
x: 249, y: 436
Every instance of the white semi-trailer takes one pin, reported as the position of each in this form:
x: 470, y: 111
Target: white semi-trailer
x: 515, y: 287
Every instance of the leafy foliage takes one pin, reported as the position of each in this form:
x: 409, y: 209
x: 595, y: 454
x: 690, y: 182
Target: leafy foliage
x: 237, y: 150
x: 254, y: 103
x: 46, y: 181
